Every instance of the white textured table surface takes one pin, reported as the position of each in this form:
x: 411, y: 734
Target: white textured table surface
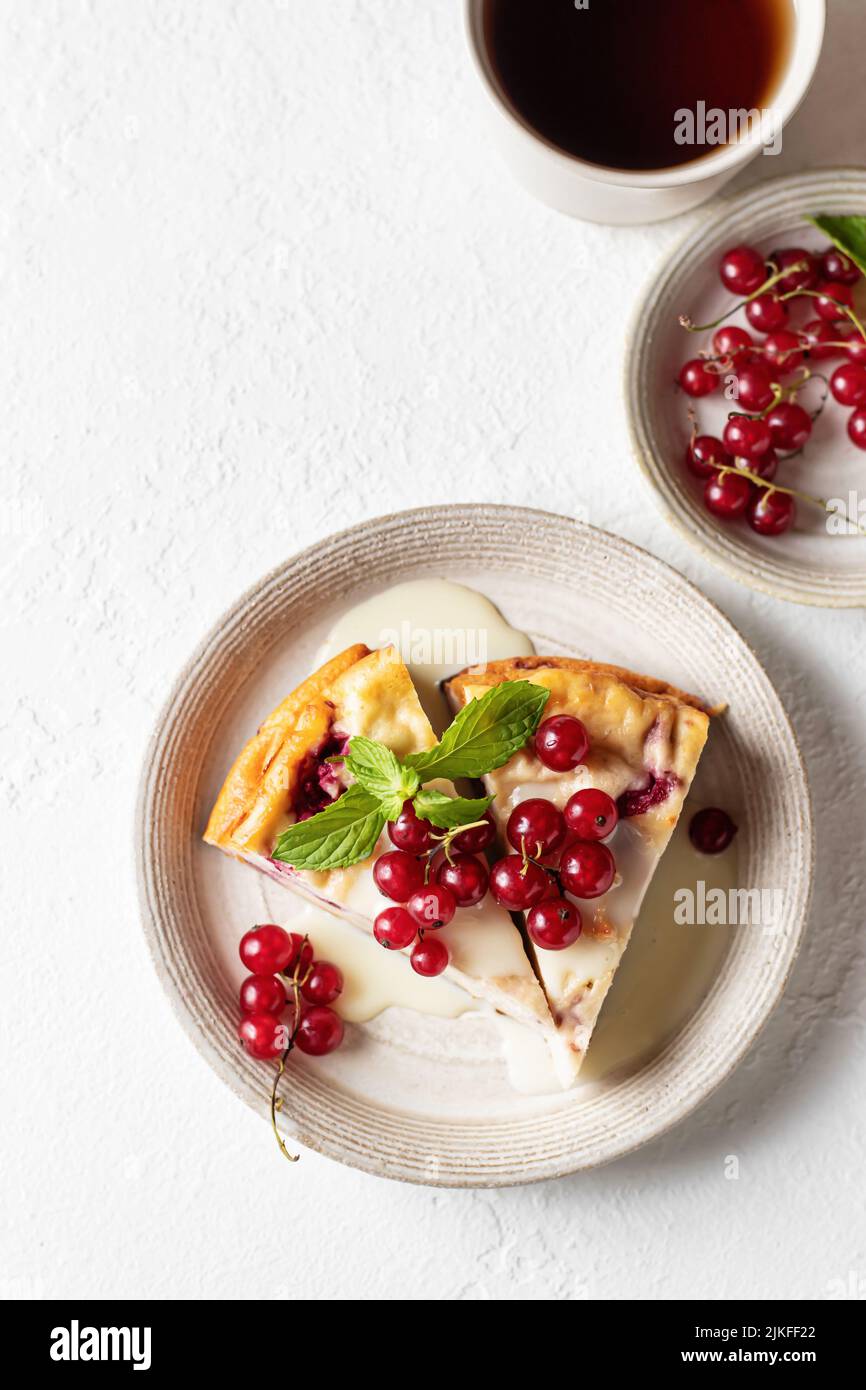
x: 262, y: 277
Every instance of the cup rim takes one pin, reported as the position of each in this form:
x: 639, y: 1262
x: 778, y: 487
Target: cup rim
x: 809, y: 25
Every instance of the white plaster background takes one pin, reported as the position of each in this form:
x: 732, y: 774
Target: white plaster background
x: 262, y: 277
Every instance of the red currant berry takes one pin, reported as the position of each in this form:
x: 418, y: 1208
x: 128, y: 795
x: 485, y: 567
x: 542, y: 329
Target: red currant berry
x: 398, y: 874
x: 705, y: 454
x: 754, y: 388
x: 855, y: 349
x: 764, y: 467
x: 319, y: 1031
x: 466, y: 877
x: 262, y: 994
x: 517, y: 885
x: 409, y: 832
x: 587, y: 869
x: 538, y: 825
x: 747, y: 438
x: 324, y: 983
x: 742, y: 270
x: 554, y: 924
x: 429, y: 957
x: 783, y: 350
x: 804, y: 279
x: 848, y: 384
x: 728, y: 496
x: 857, y: 428
x: 266, y: 950
x: 394, y: 928
x: 816, y: 335
x: 730, y: 341
x: 591, y: 814
x: 838, y: 268
x: 478, y: 838
x: 790, y: 425
x: 263, y: 1036
x: 561, y: 742
x: 767, y: 313
x: 835, y: 298
x: 432, y: 906
x: 698, y: 379
x: 711, y: 830
x: 771, y: 513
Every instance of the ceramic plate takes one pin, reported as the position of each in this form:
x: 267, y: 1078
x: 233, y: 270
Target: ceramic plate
x: 808, y: 564
x: 427, y: 1099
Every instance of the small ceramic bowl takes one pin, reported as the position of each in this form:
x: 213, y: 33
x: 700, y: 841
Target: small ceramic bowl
x: 819, y: 561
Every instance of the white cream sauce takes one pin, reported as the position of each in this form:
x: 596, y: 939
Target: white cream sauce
x: 376, y: 979
x: 661, y: 981
x: 439, y: 628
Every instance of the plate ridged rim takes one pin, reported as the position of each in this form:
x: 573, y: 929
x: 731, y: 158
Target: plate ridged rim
x: 584, y: 1132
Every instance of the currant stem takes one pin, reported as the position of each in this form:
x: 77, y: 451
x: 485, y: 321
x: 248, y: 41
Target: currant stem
x: 445, y: 841
x: 779, y: 393
x: 528, y: 858
x: 844, y: 308
x: 685, y: 321
x: 295, y: 983
x: 278, y: 1105
x: 778, y: 487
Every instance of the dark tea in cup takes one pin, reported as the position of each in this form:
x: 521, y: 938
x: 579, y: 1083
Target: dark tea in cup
x: 639, y: 84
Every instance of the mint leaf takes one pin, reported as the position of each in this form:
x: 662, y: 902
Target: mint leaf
x: 343, y: 833
x: 485, y: 733
x: 483, y: 736
x: 848, y: 233
x: 445, y: 812
x: 380, y: 771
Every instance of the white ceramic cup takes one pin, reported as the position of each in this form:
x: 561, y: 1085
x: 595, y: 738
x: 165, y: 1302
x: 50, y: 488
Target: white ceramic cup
x: 599, y: 194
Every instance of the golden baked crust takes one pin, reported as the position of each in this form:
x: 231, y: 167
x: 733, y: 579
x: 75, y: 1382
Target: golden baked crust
x: 515, y: 669
x: 358, y: 692
x: 637, y: 719
x: 266, y: 769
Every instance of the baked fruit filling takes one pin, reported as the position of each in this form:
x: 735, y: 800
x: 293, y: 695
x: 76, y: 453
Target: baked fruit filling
x: 321, y: 779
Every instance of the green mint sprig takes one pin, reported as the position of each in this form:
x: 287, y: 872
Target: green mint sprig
x: 485, y: 733
x: 848, y: 233
x: 381, y: 773
x: 483, y: 736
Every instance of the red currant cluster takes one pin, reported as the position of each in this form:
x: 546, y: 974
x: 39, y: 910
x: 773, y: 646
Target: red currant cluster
x: 557, y: 851
x: 430, y: 881
x: 281, y: 963
x: 773, y: 421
